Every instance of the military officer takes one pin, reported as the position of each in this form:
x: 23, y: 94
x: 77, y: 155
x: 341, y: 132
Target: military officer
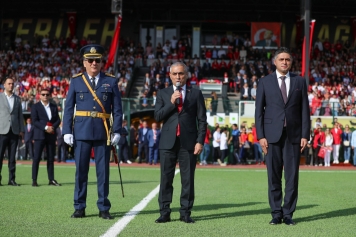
x: 96, y: 97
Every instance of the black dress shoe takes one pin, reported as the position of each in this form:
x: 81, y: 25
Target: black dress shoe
x: 163, y: 219
x: 105, y: 215
x: 187, y: 219
x: 275, y: 221
x: 289, y: 221
x: 54, y: 183
x: 13, y: 183
x: 78, y: 214
x: 35, y: 184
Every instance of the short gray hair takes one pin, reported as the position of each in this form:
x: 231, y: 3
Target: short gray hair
x: 176, y: 64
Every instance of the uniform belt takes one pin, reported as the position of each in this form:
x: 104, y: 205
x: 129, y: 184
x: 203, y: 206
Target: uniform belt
x: 94, y: 114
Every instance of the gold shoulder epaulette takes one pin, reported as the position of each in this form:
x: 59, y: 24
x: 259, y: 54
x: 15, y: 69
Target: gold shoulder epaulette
x: 109, y: 75
x: 77, y: 75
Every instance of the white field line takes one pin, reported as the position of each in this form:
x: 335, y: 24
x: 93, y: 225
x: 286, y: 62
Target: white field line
x: 120, y: 225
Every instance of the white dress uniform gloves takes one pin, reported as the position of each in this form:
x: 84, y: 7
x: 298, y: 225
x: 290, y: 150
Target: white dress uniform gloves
x: 68, y: 138
x: 115, y: 139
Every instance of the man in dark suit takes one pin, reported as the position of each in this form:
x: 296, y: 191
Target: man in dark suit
x: 11, y: 127
x: 182, y: 111
x: 133, y: 139
x: 245, y: 92
x: 28, y: 139
x: 283, y: 125
x: 123, y: 144
x: 46, y: 120
x: 153, y: 140
x: 62, y: 147
x: 143, y: 142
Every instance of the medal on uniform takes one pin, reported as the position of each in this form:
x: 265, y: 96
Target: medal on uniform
x: 81, y: 96
x: 105, y: 97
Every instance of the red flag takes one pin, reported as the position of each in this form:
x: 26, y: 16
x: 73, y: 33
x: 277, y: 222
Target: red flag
x: 114, y: 44
x: 72, y: 21
x: 311, y: 31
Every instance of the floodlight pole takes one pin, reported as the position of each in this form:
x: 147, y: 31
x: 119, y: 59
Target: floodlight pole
x: 307, y: 38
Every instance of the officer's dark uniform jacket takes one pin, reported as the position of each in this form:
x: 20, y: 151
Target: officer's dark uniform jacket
x: 90, y: 127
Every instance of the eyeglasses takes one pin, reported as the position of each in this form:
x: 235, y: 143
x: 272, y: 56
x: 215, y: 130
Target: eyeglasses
x: 90, y: 60
x: 45, y: 94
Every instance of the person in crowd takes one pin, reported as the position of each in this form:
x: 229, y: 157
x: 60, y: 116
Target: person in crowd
x: 337, y: 138
x: 11, y: 128
x: 183, y: 113
x: 223, y: 147
x: 62, y: 147
x: 346, y: 140
x: 124, y: 154
x: 245, y: 92
x: 91, y: 127
x: 319, y: 139
x: 244, y: 145
x: 214, y: 103
x: 206, y: 149
x: 143, y: 142
x: 308, y: 152
x: 256, y: 146
x: 28, y: 139
x: 46, y: 120
x: 235, y: 139
x: 328, y: 142
x: 282, y: 118
x: 153, y: 137
x: 353, y: 145
x: 216, y: 145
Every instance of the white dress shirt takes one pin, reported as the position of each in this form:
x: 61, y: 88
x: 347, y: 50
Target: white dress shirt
x: 183, y: 88
x: 287, y: 80
x: 10, y: 100
x: 48, y: 110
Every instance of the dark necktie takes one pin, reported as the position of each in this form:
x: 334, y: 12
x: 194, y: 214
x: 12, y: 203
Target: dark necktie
x: 284, y: 94
x: 284, y: 89
x: 179, y: 106
x: 93, y: 83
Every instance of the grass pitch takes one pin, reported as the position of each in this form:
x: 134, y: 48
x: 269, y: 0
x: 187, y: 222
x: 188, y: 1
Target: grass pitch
x: 229, y: 202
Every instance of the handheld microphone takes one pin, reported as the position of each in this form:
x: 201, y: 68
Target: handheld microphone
x: 178, y: 89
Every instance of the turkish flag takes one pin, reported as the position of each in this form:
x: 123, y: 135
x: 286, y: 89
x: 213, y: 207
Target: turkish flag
x: 72, y: 22
x: 114, y: 44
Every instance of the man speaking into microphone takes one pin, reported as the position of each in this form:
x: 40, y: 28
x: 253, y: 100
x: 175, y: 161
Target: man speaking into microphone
x: 182, y: 111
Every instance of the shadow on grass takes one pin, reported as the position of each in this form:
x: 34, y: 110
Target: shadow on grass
x: 116, y: 215
x: 116, y: 182
x: 326, y: 215
x: 237, y: 213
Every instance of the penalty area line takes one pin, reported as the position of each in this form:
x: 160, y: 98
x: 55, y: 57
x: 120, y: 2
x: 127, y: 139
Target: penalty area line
x: 120, y: 225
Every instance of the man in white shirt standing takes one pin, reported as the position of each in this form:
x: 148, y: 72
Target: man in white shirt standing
x: 11, y: 127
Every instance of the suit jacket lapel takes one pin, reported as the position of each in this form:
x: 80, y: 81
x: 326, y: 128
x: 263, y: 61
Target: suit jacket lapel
x: 276, y: 85
x: 291, y: 86
x: 3, y: 96
x: 186, y: 98
x: 43, y: 109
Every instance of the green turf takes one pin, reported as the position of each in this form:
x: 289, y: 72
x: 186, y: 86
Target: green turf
x: 229, y: 202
